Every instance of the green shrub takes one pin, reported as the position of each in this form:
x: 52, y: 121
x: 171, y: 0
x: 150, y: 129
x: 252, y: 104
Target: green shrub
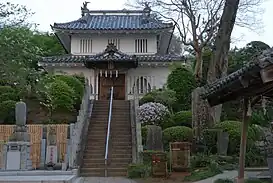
x: 199, y: 161
x: 182, y: 118
x: 234, y: 130
x: 259, y: 118
x: 7, y: 111
x: 164, y: 96
x: 9, y: 96
x: 182, y: 82
x: 177, y: 134
x: 255, y: 158
x: 61, y: 95
x: 210, y: 139
x: 6, y: 89
x: 139, y: 171
x: 80, y: 77
x: 146, y: 99
x: 75, y: 84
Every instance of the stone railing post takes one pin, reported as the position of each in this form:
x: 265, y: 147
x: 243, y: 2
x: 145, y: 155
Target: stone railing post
x: 138, y: 126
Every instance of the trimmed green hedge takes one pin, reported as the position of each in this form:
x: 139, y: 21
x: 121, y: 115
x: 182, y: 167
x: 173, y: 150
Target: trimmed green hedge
x: 177, y: 134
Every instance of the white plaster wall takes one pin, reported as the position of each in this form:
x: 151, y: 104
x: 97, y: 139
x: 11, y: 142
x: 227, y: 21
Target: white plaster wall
x: 159, y: 76
x: 127, y: 42
x: 156, y: 77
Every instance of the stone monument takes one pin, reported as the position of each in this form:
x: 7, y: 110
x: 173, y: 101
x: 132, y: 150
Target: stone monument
x: 222, y: 143
x: 16, y: 152
x: 154, y: 138
x: 52, y: 150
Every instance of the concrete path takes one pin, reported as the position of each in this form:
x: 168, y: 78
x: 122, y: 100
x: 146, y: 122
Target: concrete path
x: 107, y: 180
x: 229, y: 175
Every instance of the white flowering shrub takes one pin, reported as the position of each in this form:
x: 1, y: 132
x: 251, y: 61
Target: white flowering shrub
x: 152, y: 113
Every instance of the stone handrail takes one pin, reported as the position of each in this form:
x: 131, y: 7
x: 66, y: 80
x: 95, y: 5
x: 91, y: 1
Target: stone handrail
x: 80, y: 128
x: 137, y: 147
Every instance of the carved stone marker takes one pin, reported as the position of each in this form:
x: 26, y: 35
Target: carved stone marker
x: 222, y: 143
x: 17, y: 149
x: 154, y: 138
x: 52, y: 150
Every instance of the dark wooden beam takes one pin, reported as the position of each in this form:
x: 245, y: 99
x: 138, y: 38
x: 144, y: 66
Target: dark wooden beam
x: 244, y: 128
x: 254, y: 89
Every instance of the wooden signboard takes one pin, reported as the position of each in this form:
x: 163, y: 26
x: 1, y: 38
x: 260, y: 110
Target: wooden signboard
x: 180, y: 156
x: 159, y: 164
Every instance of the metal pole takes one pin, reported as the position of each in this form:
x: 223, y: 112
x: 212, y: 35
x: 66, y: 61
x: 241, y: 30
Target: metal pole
x: 246, y: 110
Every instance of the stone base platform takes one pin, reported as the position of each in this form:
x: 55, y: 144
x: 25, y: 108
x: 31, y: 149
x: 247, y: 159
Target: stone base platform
x: 38, y: 176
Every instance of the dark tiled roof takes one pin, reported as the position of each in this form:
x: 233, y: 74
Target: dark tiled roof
x: 71, y: 59
x: 113, y: 22
x: 219, y: 84
x: 111, y: 53
x: 264, y: 60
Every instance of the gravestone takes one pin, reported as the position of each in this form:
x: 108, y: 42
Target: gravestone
x: 52, y: 150
x: 17, y: 150
x: 222, y: 143
x: 154, y: 138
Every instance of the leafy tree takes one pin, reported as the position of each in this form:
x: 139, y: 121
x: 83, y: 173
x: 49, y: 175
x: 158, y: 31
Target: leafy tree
x: 13, y: 14
x: 19, y: 67
x: 182, y: 82
x: 7, y: 111
x: 74, y: 84
x: 239, y: 57
x: 56, y: 95
x: 48, y: 44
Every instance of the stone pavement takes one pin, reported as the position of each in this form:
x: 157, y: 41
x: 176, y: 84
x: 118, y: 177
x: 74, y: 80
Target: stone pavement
x: 107, y: 180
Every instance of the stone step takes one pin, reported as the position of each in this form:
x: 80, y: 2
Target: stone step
x: 115, y: 123
x: 119, y: 161
x: 94, y: 160
x: 92, y: 172
x: 104, y: 118
x: 101, y: 156
x: 99, y: 172
x: 121, y: 143
x: 120, y: 151
x: 120, y: 156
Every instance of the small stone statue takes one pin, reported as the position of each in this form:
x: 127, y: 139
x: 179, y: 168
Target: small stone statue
x: 52, y: 138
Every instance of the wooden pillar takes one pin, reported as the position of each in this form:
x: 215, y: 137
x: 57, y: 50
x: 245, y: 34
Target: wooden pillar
x: 246, y: 114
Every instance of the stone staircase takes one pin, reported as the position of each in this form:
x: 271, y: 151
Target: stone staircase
x: 120, y: 144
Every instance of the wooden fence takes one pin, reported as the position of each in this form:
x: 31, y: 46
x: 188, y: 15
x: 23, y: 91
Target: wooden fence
x: 35, y: 132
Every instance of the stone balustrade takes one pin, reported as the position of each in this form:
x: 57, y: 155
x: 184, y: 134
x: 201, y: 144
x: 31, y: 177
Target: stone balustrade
x: 77, y: 128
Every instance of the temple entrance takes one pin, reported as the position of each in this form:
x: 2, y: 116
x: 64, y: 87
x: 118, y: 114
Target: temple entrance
x: 118, y: 83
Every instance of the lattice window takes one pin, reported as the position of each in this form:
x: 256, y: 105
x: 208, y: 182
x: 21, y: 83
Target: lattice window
x: 141, y: 46
x: 143, y: 86
x: 116, y: 42
x: 86, y: 46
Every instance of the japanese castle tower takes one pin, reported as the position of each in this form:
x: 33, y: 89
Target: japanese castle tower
x: 120, y: 48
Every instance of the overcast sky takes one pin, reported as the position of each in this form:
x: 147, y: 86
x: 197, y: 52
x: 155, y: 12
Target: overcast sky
x: 49, y: 11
